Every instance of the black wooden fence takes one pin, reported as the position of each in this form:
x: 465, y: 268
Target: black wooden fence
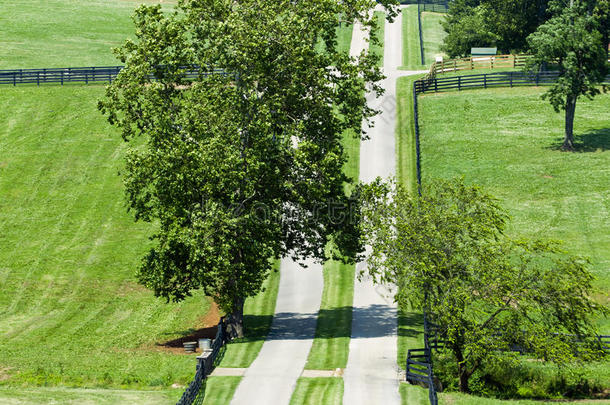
x: 82, y: 74
x: 487, y: 80
x: 419, y: 364
x: 195, y: 392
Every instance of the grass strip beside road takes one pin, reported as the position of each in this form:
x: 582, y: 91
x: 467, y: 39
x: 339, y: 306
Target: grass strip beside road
x: 330, y: 347
x: 318, y: 391
x: 220, y: 390
x: 411, y: 54
x: 406, y: 156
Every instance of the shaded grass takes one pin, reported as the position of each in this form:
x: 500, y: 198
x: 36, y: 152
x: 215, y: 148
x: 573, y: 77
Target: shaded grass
x: 433, y: 34
x: 258, y: 315
x: 316, y: 391
x: 344, y: 37
x: 73, y: 396
x: 330, y: 347
x: 411, y: 56
x: 220, y: 390
x: 62, y: 33
x: 71, y: 312
x: 379, y: 34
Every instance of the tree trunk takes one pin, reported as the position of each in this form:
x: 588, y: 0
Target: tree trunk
x: 235, y: 320
x: 464, y: 378
x: 462, y: 372
x: 568, y: 141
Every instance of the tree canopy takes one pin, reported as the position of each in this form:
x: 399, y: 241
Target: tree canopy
x: 448, y: 254
x: 237, y: 169
x: 572, y: 43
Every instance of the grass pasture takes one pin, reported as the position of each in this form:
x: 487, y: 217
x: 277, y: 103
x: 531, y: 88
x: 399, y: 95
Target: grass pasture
x: 507, y: 141
x: 71, y: 312
x: 65, y: 33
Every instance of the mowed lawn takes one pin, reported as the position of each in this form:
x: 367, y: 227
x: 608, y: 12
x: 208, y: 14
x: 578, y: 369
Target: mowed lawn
x: 63, y: 33
x: 71, y: 312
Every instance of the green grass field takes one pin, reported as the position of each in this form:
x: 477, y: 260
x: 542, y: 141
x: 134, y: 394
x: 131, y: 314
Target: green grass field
x: 71, y: 312
x: 79, y: 396
x: 433, y: 35
x: 62, y: 33
x: 507, y: 141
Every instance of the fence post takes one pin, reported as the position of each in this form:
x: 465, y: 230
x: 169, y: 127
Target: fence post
x: 37, y: 78
x: 459, y: 83
x: 511, y: 79
x: 62, y: 77
x: 485, y: 80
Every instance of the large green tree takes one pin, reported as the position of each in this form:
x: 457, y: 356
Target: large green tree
x: 237, y: 169
x: 447, y: 253
x: 571, y: 42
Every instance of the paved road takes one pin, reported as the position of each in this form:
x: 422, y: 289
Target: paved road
x: 371, y: 376
x: 271, y: 378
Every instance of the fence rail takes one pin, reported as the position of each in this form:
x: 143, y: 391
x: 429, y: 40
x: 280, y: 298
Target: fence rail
x: 83, y: 74
x: 478, y: 62
x: 195, y: 392
x: 487, y: 80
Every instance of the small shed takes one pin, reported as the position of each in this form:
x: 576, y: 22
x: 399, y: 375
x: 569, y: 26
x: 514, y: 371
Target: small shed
x: 483, y: 51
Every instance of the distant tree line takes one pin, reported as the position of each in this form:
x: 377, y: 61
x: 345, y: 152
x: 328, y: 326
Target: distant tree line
x: 506, y: 24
